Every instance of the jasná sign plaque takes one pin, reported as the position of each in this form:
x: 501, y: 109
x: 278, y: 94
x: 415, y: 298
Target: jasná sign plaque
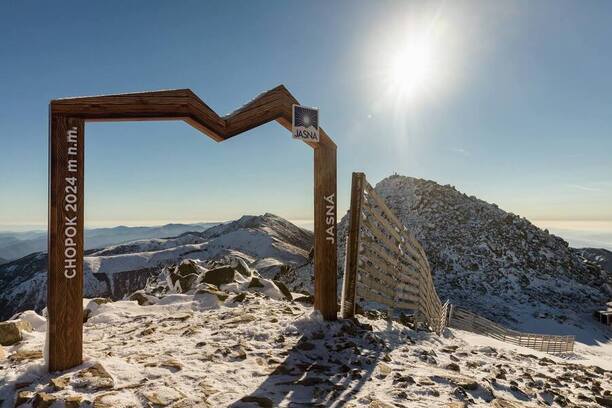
x: 305, y: 123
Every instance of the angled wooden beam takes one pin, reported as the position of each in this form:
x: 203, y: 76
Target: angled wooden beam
x: 67, y: 118
x: 182, y: 104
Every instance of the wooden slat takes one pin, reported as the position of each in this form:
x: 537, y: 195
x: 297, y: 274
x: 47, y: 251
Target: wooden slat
x: 385, y: 224
x: 364, y: 292
x: 378, y: 286
x: 402, y: 287
x: 380, y: 235
x: 371, y: 252
x: 381, y: 204
x: 398, y: 274
x: 408, y: 238
x: 406, y: 250
x: 368, y: 270
x: 393, y: 219
x: 390, y: 246
x: 406, y: 305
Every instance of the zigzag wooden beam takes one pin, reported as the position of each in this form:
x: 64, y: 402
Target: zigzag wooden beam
x: 182, y: 104
x: 66, y: 200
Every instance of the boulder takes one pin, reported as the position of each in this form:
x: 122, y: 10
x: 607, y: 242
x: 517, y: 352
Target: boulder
x: 305, y: 299
x: 73, y: 401
x: 204, y: 285
x: 264, y: 402
x: 219, y: 276
x: 142, y: 298
x: 220, y: 295
x: 23, y: 397
x: 187, y: 281
x: 11, y: 331
x: 242, y: 268
x: 239, y: 297
x: 255, y: 283
x: 284, y: 289
x: 94, y: 378
x: 503, y: 403
x: 100, y: 301
x: 37, y: 322
x: 453, y: 367
x: 59, y: 383
x: 188, y: 267
x: 21, y: 355
x: 43, y: 400
x: 604, y: 401
x: 92, y: 305
x: 2, y: 353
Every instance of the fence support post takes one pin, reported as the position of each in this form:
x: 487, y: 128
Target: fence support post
x: 351, y: 259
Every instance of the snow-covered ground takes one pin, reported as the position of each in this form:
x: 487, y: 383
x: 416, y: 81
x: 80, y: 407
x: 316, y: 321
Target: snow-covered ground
x: 194, y: 351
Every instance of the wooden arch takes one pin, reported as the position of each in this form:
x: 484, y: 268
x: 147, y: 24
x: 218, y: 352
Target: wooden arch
x: 67, y: 119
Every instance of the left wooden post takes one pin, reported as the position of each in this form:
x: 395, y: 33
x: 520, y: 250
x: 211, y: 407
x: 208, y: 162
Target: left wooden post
x: 65, y: 242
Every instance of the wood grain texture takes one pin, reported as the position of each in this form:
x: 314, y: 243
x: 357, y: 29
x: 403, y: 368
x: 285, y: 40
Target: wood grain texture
x: 182, y: 104
x: 325, y: 228
x: 64, y: 295
x: 352, y: 245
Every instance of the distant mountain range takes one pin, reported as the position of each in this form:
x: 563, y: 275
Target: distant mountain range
x: 14, y: 245
x: 267, y: 243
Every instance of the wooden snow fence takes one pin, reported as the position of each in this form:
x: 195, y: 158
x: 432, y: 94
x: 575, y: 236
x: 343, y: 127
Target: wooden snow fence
x: 465, y: 320
x: 384, y: 262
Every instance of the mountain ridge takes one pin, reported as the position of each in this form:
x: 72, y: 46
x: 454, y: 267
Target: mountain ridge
x: 118, y: 270
x: 14, y: 245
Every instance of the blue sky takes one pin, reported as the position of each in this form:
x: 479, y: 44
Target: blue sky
x: 516, y: 110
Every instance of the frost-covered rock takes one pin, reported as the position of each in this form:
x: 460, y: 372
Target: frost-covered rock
x: 11, y: 331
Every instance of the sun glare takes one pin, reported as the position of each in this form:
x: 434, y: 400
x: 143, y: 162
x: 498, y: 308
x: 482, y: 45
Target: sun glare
x: 412, y: 60
x: 410, y: 68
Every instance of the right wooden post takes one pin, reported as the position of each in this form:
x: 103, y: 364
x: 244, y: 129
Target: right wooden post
x: 351, y: 259
x: 325, y: 245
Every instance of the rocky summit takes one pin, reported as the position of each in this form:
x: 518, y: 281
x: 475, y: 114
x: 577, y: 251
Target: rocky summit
x: 491, y: 261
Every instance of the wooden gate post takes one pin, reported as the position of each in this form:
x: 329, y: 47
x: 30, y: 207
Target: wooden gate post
x: 325, y: 245
x: 65, y: 268
x: 351, y: 259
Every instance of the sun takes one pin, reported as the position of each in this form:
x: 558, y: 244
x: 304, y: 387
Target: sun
x: 410, y: 68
